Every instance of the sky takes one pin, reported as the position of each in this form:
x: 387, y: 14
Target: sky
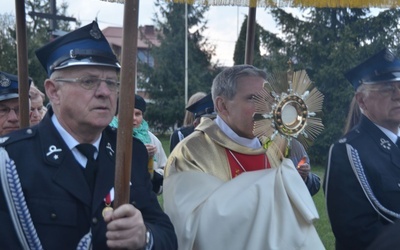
x: 224, y: 22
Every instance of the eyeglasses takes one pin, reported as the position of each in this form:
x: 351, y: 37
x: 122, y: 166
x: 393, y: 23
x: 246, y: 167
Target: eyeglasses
x: 386, y: 89
x: 90, y: 82
x: 4, y: 110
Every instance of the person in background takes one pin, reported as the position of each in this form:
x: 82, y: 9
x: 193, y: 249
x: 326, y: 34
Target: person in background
x: 224, y: 190
x: 353, y: 116
x: 157, y: 156
x: 361, y: 182
x: 67, y: 175
x: 301, y: 160
x: 9, y: 103
x: 187, y: 127
x: 201, y: 108
x: 38, y: 111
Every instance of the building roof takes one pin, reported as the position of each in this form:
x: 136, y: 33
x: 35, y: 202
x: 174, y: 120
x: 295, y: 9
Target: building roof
x: 146, y: 34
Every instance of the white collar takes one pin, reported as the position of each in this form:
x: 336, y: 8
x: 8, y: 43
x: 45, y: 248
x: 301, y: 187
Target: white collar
x: 69, y: 140
x: 250, y: 143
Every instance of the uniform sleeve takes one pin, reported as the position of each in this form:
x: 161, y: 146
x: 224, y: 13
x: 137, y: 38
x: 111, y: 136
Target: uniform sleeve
x: 313, y: 183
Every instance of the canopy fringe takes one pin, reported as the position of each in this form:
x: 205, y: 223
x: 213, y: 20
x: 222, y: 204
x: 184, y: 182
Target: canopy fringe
x: 291, y: 3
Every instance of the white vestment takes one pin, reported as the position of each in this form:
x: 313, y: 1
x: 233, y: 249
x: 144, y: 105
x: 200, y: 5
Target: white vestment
x: 254, y: 211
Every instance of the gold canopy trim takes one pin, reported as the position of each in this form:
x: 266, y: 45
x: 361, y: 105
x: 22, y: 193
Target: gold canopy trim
x: 291, y: 3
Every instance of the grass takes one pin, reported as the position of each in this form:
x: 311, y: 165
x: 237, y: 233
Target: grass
x: 322, y: 225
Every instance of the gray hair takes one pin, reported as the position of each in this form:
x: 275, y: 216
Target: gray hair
x: 225, y: 83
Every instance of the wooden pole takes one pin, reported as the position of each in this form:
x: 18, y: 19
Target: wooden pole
x: 22, y: 59
x: 126, y: 102
x: 250, y: 36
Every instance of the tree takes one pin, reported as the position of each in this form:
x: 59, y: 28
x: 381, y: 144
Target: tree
x: 8, y: 62
x: 165, y: 82
x: 240, y: 47
x: 37, y: 35
x: 327, y: 43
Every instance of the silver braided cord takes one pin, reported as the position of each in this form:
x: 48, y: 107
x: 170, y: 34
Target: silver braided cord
x: 19, y: 212
x: 360, y: 174
x: 86, y: 242
x: 16, y: 203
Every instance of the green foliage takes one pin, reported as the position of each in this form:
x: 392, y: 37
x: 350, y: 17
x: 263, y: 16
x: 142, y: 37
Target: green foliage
x: 166, y: 81
x: 8, y: 62
x: 327, y: 43
x: 240, y: 47
x: 37, y: 35
x: 323, y: 225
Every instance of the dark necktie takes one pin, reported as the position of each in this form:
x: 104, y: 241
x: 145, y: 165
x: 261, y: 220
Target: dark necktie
x: 398, y: 142
x: 88, y: 150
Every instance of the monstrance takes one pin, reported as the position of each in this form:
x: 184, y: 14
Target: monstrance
x: 286, y: 108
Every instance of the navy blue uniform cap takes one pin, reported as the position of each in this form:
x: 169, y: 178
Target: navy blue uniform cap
x: 202, y: 107
x: 383, y: 67
x: 9, y: 86
x: 82, y: 47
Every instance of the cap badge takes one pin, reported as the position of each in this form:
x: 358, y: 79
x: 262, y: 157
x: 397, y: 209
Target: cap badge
x: 72, y: 53
x: 389, y: 56
x: 4, y: 81
x: 95, y: 33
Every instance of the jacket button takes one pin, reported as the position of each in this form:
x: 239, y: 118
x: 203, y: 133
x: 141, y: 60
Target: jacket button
x: 53, y: 216
x: 94, y: 220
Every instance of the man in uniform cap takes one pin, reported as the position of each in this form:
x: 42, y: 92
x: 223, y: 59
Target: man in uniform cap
x: 203, y: 107
x: 67, y: 175
x: 362, y: 178
x: 9, y: 103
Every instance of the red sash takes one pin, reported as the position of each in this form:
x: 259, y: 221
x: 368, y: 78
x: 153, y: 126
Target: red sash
x: 248, y: 162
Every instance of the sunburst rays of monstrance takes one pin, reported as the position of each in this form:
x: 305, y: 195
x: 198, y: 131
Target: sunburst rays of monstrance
x: 287, y: 108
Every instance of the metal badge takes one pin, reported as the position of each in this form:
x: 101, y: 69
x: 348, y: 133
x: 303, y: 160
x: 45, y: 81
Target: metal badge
x: 389, y: 56
x: 72, y: 53
x: 110, y: 150
x: 4, y: 81
x: 54, y: 149
x: 95, y: 32
x: 385, y: 144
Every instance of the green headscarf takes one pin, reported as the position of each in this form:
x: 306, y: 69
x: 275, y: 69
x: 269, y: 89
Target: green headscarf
x: 140, y: 133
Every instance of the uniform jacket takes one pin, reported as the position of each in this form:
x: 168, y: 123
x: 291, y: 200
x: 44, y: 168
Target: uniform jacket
x: 58, y: 197
x: 354, y: 221
x: 175, y: 139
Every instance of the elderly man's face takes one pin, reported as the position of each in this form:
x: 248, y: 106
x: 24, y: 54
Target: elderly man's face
x: 9, y: 116
x: 36, y: 113
x: 83, y: 108
x: 381, y: 104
